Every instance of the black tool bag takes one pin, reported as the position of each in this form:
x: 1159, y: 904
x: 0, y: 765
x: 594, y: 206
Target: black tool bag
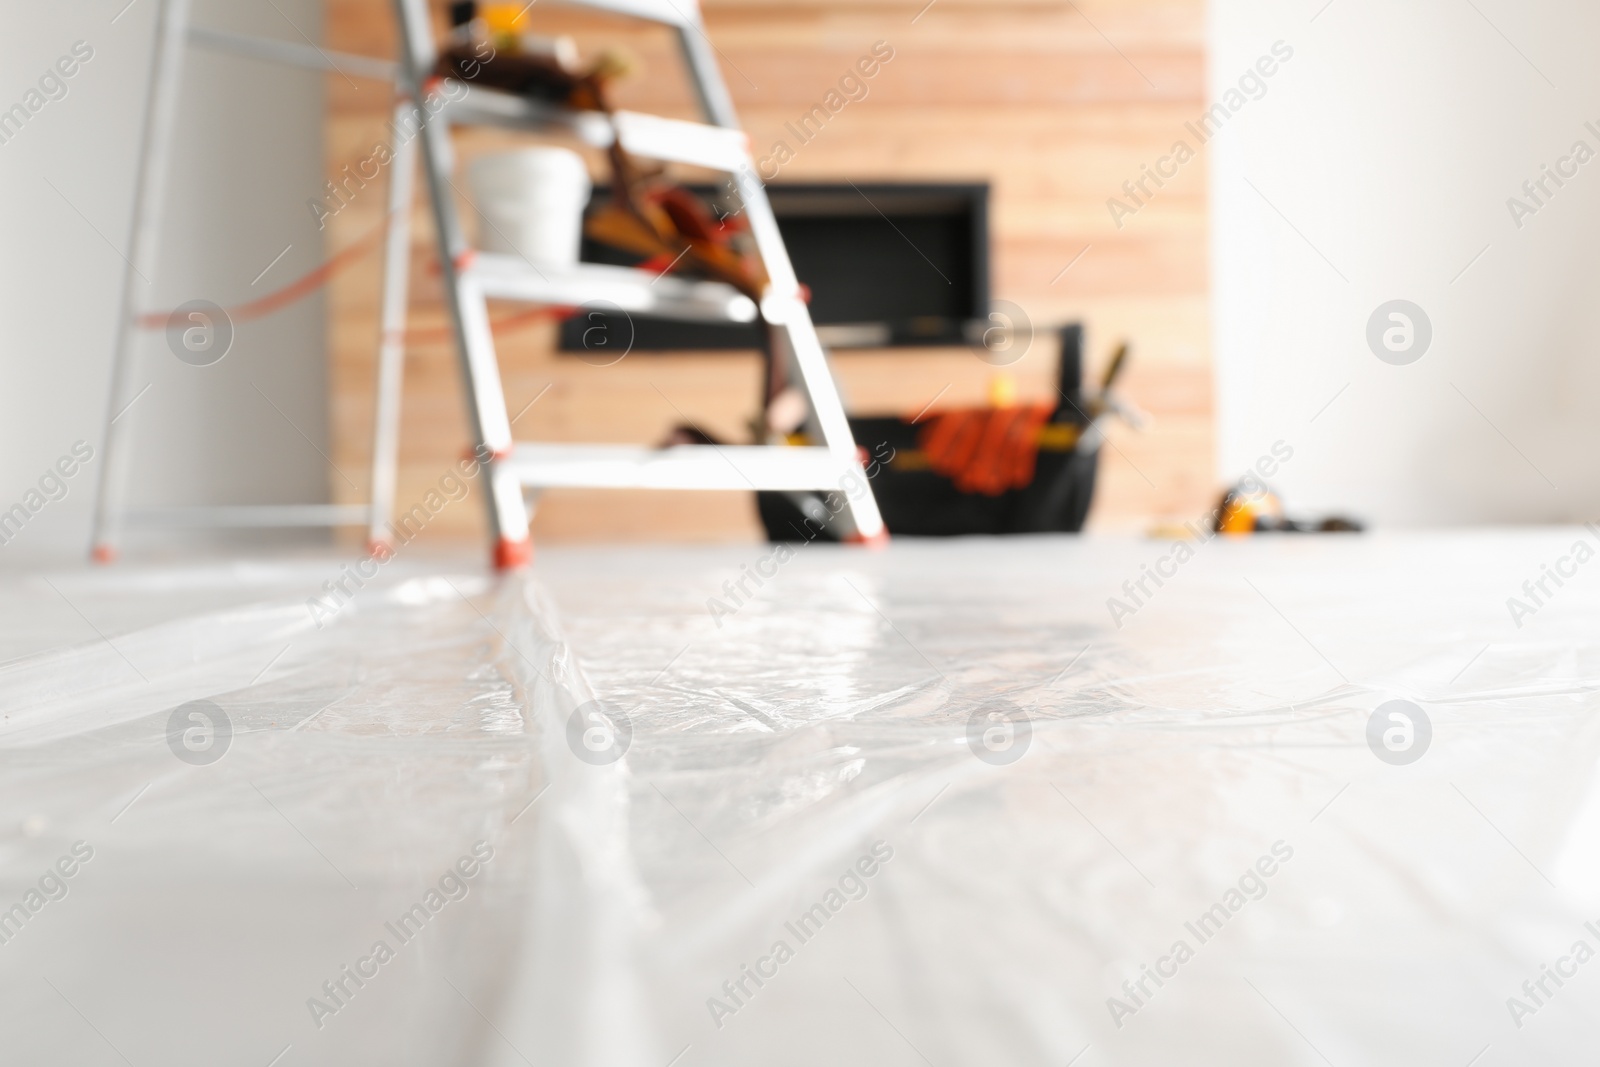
x: 917, y: 501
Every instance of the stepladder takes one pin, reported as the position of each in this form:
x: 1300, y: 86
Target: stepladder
x: 514, y: 474
x: 174, y: 35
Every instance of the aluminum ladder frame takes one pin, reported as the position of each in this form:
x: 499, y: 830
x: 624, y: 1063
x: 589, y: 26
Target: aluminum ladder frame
x: 470, y: 278
x: 173, y: 34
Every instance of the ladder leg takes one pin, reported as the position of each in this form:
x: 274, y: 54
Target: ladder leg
x: 783, y: 307
x: 469, y: 312
x: 166, y: 73
x: 706, y: 77
x: 835, y: 427
x: 392, y: 345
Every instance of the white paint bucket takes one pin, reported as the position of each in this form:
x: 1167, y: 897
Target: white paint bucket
x: 530, y: 203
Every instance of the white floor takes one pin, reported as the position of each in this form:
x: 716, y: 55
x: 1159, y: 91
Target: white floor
x: 818, y: 744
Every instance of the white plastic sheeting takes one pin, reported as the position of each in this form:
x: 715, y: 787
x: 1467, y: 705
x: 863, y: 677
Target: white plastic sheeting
x: 802, y: 771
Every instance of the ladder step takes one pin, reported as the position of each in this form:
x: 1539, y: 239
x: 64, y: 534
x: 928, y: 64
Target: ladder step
x: 595, y: 285
x: 646, y: 136
x: 288, y: 53
x: 746, y: 467
x: 676, y: 141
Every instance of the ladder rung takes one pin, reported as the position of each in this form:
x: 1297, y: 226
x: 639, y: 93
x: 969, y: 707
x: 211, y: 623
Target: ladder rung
x: 746, y: 467
x: 676, y: 141
x: 476, y: 106
x: 646, y: 136
x: 288, y: 53
x: 596, y: 286
x: 247, y: 515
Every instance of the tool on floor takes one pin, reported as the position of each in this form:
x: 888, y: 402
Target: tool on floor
x: 1250, y: 507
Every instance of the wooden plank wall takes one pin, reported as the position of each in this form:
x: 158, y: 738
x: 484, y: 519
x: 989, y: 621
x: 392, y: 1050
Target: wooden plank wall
x: 1056, y: 103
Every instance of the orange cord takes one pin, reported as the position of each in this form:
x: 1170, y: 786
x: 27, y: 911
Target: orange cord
x: 319, y: 276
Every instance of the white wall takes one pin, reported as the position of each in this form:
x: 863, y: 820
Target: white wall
x: 249, y: 155
x: 1392, y: 141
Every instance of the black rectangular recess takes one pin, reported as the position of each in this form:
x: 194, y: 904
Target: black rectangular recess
x: 888, y: 264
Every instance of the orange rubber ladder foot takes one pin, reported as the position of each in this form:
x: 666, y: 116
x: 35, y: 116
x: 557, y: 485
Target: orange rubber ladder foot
x: 878, y: 540
x: 512, y: 555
